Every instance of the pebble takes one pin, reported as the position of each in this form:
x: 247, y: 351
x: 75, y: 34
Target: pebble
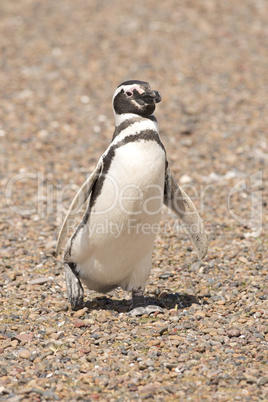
x: 233, y: 332
x: 262, y: 381
x: 79, y: 324
x: 51, y: 330
x: 200, y: 314
x: 40, y: 281
x: 185, y: 179
x: 24, y: 337
x: 162, y: 330
x: 25, y: 354
x: 80, y: 313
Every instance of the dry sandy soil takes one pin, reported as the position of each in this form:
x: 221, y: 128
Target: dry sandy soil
x: 60, y: 64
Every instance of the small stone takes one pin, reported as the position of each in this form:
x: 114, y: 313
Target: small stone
x: 166, y: 275
x: 254, y: 340
x: 209, y: 330
x: 148, y: 388
x: 95, y: 396
x: 88, y: 322
x: 51, y: 330
x: 185, y: 179
x: 162, y: 330
x: 13, y: 276
x: 149, y: 362
x: 25, y: 354
x: 200, y: 349
x: 233, y: 332
x: 142, y: 365
x: 79, y: 324
x: 24, y: 337
x: 80, y: 313
x: 262, y: 381
x: 170, y: 366
x: 4, y: 390
x: 200, y: 314
x: 175, y: 342
x: 14, y: 343
x: 40, y: 281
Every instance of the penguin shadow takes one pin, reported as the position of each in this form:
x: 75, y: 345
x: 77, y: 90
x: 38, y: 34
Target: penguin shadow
x: 168, y: 302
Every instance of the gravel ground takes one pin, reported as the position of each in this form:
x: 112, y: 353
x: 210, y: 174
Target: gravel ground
x: 60, y: 64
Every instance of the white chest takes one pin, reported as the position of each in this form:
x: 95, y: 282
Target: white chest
x: 115, y: 247
x: 135, y: 181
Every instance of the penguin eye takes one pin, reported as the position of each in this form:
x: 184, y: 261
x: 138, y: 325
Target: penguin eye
x: 129, y: 93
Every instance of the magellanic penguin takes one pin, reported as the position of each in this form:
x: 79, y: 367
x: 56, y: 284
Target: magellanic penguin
x: 112, y: 246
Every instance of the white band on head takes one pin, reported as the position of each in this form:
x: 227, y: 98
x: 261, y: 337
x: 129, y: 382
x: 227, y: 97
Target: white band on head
x: 129, y: 88
x: 133, y: 87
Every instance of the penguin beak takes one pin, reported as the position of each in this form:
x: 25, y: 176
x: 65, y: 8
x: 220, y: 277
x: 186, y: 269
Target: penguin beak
x: 156, y: 96
x: 149, y: 96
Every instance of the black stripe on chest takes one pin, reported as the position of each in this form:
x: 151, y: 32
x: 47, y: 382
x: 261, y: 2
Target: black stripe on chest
x: 145, y: 135
x: 125, y: 124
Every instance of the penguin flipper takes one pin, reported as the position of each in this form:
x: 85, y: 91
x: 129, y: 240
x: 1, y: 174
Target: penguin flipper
x: 181, y: 204
x: 80, y: 198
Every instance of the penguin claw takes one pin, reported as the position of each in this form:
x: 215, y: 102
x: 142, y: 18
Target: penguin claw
x: 146, y: 310
x: 152, y: 308
x: 77, y: 300
x: 74, y: 288
x: 137, y: 311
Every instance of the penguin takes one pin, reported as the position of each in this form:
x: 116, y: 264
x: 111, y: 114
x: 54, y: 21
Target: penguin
x: 112, y: 246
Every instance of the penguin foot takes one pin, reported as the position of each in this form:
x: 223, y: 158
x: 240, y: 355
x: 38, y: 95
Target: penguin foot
x: 146, y: 310
x: 139, y: 307
x: 153, y: 308
x: 74, y: 287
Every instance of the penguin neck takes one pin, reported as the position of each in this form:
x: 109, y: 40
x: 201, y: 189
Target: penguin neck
x: 121, y: 118
x: 125, y: 123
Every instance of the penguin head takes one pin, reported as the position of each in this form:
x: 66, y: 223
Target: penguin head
x: 135, y: 97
